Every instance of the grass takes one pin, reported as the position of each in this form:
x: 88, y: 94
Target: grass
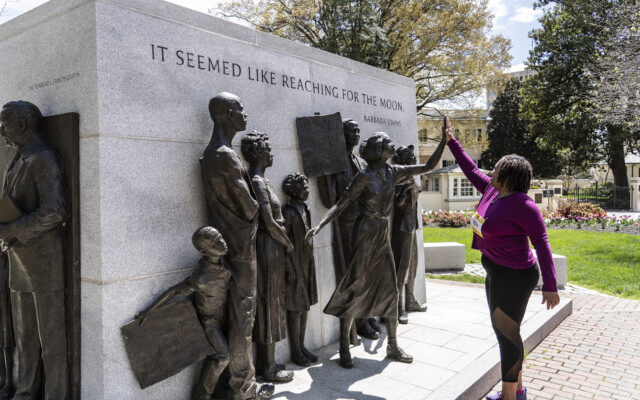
x: 464, y: 277
x: 604, y: 261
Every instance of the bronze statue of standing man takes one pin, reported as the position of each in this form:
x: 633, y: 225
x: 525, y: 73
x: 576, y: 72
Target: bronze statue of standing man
x: 36, y: 258
x: 232, y: 208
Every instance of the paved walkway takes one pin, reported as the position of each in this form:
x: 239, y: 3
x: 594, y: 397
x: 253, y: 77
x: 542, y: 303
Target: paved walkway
x: 593, y: 354
x: 453, y: 347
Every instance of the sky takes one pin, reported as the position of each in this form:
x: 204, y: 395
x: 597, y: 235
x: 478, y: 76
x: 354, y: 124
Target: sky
x: 512, y: 19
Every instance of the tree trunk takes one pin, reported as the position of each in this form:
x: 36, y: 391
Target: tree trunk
x: 615, y: 147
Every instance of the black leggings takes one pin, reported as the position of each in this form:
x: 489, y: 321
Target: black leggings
x: 508, y: 292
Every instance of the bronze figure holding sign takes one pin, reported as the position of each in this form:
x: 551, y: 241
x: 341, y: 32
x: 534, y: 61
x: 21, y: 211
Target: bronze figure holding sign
x: 208, y: 284
x: 369, y: 286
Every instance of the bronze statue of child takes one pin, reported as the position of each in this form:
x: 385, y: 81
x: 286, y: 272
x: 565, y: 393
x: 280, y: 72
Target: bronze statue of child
x: 208, y: 284
x: 301, y: 291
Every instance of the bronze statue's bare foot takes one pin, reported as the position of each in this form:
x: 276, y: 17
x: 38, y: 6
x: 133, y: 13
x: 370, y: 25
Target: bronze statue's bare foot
x: 280, y: 376
x: 265, y: 392
x: 309, y: 355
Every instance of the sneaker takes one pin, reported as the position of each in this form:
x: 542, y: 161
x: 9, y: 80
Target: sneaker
x: 520, y: 395
x: 395, y: 352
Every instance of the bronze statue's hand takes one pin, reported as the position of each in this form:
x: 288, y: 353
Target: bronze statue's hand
x: 289, y: 248
x: 447, y: 132
x: 312, y: 232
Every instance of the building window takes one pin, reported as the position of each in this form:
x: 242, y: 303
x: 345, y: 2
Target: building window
x: 436, y: 184
x: 461, y: 187
x: 466, y: 189
x: 446, y: 163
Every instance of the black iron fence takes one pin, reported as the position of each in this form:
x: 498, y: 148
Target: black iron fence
x: 606, y: 196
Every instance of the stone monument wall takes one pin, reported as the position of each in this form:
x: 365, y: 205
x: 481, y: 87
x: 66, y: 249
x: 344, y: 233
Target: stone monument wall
x: 140, y: 73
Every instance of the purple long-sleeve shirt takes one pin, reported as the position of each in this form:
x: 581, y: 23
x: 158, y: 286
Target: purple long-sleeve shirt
x: 509, y: 223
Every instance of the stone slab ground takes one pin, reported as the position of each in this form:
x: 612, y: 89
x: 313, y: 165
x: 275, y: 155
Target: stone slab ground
x: 454, y: 349
x: 593, y: 354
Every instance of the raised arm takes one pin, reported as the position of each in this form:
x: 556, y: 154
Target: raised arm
x: 478, y: 179
x: 407, y: 171
x: 351, y: 193
x: 267, y: 221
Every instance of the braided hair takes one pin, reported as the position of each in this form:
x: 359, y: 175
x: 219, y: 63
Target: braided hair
x: 514, y: 172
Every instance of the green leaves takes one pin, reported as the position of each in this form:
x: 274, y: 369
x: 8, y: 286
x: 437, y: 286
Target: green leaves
x: 443, y: 45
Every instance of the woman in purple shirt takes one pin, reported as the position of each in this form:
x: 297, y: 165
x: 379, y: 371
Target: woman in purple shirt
x: 504, y: 222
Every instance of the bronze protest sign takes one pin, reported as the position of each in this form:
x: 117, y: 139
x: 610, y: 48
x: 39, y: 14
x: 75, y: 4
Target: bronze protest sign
x: 322, y: 144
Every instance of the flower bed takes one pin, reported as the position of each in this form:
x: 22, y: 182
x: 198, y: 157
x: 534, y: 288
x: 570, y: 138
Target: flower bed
x: 587, y: 216
x: 447, y: 219
x: 569, y: 215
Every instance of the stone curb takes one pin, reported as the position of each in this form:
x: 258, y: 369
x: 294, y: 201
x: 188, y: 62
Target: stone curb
x: 481, y: 376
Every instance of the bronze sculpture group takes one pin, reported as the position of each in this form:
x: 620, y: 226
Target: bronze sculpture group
x: 256, y: 279
x: 272, y: 282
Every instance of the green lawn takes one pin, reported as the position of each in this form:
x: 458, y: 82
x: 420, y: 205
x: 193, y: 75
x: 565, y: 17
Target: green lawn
x: 604, y: 261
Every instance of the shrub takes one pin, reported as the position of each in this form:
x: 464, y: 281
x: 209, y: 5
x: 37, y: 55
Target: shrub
x: 453, y: 219
x: 571, y: 210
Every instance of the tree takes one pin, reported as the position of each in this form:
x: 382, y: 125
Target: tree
x: 508, y: 134
x: 558, y: 101
x: 444, y: 45
x: 615, y: 74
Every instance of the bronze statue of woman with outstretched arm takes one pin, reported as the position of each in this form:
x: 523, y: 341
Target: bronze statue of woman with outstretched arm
x: 369, y: 288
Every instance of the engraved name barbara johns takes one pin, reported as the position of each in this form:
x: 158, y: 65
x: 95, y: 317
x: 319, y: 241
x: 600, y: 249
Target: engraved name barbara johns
x: 233, y: 69
x: 381, y: 121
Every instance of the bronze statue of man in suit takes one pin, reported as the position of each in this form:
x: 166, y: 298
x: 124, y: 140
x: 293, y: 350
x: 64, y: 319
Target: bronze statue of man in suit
x: 232, y: 208
x: 36, y: 259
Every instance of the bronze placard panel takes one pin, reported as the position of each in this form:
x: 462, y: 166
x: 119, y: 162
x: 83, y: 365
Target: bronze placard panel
x: 322, y: 145
x: 170, y: 340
